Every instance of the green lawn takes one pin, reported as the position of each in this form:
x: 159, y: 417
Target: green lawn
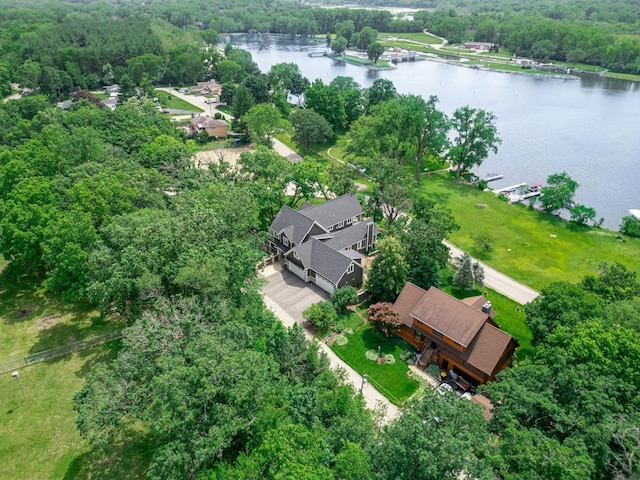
x: 416, y: 37
x: 365, y: 62
x: 168, y: 100
x: 38, y: 437
x: 407, y: 46
x: 33, y: 320
x: 523, y: 246
x: 391, y: 380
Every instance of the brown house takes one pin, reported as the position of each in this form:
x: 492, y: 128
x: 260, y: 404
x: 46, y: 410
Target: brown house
x: 214, y: 128
x: 459, y: 336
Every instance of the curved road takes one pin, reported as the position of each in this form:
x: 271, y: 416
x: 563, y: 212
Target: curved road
x: 500, y: 282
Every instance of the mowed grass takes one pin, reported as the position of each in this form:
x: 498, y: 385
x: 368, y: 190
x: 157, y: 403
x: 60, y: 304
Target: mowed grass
x: 33, y: 320
x: 390, y: 380
x: 523, y: 246
x: 38, y: 436
x: 416, y: 37
x: 171, y: 101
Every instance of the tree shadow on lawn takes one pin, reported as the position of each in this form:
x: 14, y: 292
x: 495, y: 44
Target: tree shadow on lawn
x: 372, y: 340
x: 126, y: 457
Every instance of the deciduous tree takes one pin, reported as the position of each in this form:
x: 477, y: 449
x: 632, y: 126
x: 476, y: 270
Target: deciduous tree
x: 309, y: 127
x: 389, y: 272
x: 384, y: 318
x: 475, y: 136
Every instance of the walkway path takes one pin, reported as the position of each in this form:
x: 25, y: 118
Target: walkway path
x: 373, y: 398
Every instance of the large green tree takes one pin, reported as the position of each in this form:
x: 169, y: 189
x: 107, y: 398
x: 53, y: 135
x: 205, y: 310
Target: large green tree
x: 559, y: 192
x: 389, y: 272
x: 476, y: 136
x: 309, y: 127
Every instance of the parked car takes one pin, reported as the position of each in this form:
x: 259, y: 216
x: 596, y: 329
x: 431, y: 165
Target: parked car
x: 211, y: 100
x: 165, y: 110
x: 184, y: 90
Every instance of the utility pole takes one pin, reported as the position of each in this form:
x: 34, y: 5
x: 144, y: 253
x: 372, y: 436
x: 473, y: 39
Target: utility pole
x: 364, y: 382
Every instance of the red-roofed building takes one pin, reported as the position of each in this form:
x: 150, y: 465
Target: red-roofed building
x: 459, y: 336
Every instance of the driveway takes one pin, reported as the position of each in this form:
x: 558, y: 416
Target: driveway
x: 287, y: 297
x: 290, y: 293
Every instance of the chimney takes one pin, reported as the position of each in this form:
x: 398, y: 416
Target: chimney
x: 486, y: 308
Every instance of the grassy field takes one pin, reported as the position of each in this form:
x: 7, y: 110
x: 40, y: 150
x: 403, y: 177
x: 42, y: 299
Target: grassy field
x: 523, y: 246
x: 171, y: 101
x: 33, y: 320
x: 38, y: 437
x: 416, y: 37
x: 365, y: 62
x: 391, y: 380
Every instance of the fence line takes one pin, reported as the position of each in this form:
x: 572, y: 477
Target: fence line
x: 56, y: 352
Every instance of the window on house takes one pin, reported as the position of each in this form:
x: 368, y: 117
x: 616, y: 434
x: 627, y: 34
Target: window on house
x: 340, y: 225
x: 351, y: 268
x: 285, y: 240
x: 361, y: 244
x: 349, y: 220
x: 418, y: 336
x: 295, y: 255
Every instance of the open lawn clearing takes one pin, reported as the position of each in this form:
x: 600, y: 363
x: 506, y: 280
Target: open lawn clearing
x: 391, y: 380
x: 203, y: 158
x: 532, y: 247
x: 38, y: 436
x: 33, y: 320
x: 416, y: 37
x: 168, y: 100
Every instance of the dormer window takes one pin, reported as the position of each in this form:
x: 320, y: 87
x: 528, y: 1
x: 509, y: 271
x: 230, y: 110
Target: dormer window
x: 351, y: 268
x: 340, y: 225
x: 285, y: 241
x: 349, y: 221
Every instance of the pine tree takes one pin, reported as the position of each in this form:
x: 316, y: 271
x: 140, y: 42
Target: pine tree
x: 463, y: 278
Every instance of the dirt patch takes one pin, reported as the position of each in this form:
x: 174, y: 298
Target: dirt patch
x: 47, y: 322
x: 229, y: 155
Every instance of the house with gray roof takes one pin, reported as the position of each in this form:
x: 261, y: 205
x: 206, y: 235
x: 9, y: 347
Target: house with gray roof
x: 325, y: 243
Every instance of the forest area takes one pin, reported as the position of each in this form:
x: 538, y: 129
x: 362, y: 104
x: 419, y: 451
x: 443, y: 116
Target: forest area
x: 105, y: 208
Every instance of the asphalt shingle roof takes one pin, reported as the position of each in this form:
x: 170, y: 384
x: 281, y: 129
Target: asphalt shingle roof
x: 294, y: 225
x: 323, y: 259
x: 334, y: 211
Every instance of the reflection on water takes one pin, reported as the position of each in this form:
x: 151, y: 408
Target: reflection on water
x: 587, y: 127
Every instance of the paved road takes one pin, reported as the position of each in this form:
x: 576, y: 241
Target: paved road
x: 287, y: 296
x: 500, y: 282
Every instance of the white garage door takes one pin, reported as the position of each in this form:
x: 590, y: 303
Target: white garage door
x: 324, y: 284
x: 296, y: 270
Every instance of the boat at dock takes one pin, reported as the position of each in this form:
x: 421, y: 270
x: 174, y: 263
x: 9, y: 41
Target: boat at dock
x: 511, y: 188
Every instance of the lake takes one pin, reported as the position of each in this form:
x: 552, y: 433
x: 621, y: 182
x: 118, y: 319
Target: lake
x: 589, y: 127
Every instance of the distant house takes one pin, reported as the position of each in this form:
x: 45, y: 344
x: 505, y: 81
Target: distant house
x: 209, y: 87
x: 460, y: 336
x: 324, y: 244
x: 112, y: 90
x: 213, y: 127
x: 482, y: 46
x: 65, y: 105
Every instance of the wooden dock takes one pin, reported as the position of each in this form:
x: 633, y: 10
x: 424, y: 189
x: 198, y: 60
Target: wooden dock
x: 511, y: 188
x: 515, y: 198
x: 493, y: 176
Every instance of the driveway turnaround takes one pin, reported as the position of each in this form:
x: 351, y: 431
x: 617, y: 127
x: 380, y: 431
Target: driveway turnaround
x: 287, y: 297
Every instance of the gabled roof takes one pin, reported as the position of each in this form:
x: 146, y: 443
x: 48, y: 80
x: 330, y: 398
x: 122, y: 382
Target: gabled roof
x: 334, y: 211
x: 477, y: 303
x: 488, y: 348
x: 324, y: 260
x: 449, y: 316
x: 350, y: 235
x: 202, y: 121
x: 293, y: 224
x: 407, y: 300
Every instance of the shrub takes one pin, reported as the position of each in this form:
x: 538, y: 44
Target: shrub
x: 321, y: 315
x: 340, y: 340
x: 371, y: 355
x: 217, y: 116
x: 344, y: 296
x: 389, y: 359
x: 630, y: 226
